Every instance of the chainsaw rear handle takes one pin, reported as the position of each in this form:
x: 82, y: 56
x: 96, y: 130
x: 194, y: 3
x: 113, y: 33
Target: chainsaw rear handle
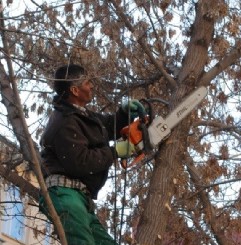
x: 137, y: 134
x: 145, y: 137
x: 124, y: 164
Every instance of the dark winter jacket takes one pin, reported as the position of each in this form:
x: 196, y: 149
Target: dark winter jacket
x: 77, y: 146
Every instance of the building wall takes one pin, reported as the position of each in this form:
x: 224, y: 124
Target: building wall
x: 21, y: 223
x: 20, y: 220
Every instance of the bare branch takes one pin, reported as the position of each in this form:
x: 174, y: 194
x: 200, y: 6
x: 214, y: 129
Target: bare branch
x: 143, y: 44
x: 229, y: 59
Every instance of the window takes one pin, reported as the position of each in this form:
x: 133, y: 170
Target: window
x: 13, y: 217
x: 47, y: 238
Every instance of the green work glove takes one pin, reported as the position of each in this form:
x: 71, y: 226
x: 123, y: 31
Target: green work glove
x: 135, y: 107
x: 124, y: 149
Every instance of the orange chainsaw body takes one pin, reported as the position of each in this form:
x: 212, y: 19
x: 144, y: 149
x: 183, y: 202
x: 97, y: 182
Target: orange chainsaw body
x: 132, y: 132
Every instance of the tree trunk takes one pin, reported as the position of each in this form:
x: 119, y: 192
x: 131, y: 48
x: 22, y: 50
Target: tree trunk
x: 169, y: 161
x: 157, y: 208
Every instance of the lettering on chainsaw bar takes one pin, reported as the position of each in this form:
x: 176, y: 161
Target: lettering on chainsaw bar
x: 179, y: 113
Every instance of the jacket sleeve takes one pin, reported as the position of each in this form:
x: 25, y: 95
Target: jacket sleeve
x: 75, y: 154
x: 114, y: 123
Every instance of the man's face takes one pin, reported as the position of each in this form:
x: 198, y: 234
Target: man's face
x: 82, y: 93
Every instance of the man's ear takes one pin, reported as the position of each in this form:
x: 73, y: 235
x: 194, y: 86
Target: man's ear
x: 74, y: 90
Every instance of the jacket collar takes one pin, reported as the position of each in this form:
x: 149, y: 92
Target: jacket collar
x: 67, y: 108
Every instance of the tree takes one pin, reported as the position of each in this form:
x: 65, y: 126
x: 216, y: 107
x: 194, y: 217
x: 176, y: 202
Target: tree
x: 188, y: 191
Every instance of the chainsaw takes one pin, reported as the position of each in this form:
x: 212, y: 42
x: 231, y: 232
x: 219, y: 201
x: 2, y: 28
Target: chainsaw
x: 147, y: 133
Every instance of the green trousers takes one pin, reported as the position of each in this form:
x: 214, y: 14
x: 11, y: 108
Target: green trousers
x: 79, y: 221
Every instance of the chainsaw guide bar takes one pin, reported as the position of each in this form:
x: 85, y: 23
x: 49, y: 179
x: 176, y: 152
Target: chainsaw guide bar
x: 160, y: 127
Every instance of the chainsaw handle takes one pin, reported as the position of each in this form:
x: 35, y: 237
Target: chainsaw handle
x: 136, y: 132
x: 134, y: 162
x: 149, y: 111
x: 145, y: 137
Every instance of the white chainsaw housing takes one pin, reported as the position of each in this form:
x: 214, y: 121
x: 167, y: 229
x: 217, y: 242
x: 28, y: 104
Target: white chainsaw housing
x: 158, y: 131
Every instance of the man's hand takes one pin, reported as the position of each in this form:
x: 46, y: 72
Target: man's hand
x: 124, y: 149
x: 135, y: 107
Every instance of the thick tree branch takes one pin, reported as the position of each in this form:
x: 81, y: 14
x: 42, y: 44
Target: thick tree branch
x: 209, y: 210
x: 17, y: 119
x: 20, y: 182
x: 219, y: 126
x: 227, y: 60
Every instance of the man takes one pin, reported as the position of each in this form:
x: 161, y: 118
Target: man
x: 76, y: 155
